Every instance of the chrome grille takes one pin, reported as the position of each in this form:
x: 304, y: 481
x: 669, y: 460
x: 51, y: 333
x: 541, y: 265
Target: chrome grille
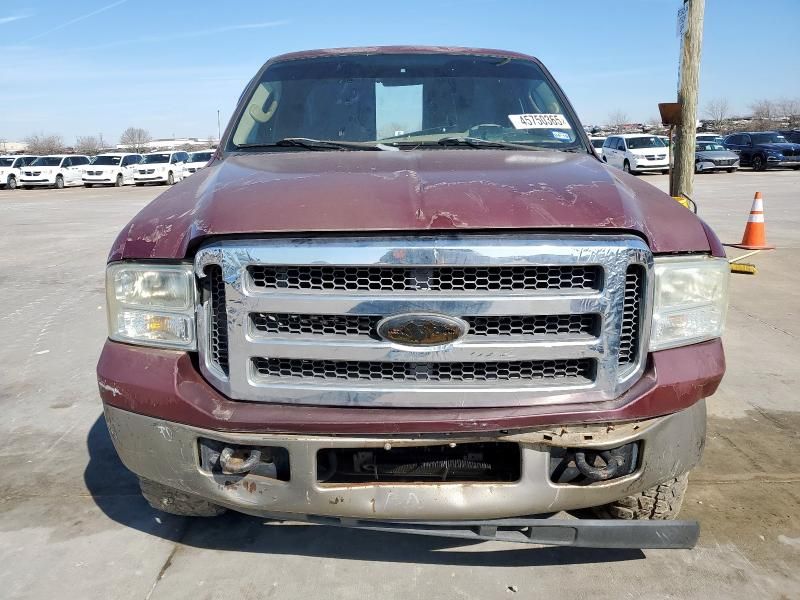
x: 457, y: 372
x: 551, y: 319
x: 366, y: 325
x: 435, y: 279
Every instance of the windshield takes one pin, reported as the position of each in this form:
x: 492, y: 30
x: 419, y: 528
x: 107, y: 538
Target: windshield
x: 644, y: 142
x: 149, y: 159
x: 107, y: 160
x: 47, y: 161
x: 200, y: 157
x: 709, y: 147
x: 6, y: 162
x: 768, y: 138
x: 598, y: 143
x: 407, y: 100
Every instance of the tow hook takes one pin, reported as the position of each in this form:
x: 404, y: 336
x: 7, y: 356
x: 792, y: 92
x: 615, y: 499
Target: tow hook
x: 238, y: 461
x: 618, y: 461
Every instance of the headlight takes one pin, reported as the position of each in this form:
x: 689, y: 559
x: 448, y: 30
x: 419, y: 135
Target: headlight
x: 691, y: 300
x: 152, y: 305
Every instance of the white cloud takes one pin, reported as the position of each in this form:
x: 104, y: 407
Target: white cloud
x: 151, y: 39
x: 12, y: 18
x: 77, y: 19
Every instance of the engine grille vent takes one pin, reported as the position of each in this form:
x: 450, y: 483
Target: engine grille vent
x: 482, y: 326
x: 437, y: 279
x: 631, y: 316
x: 453, y: 372
x: 218, y: 346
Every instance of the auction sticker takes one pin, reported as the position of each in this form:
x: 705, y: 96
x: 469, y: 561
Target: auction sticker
x: 539, y: 121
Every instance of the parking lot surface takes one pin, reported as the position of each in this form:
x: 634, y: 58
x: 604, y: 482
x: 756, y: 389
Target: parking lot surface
x: 72, y: 523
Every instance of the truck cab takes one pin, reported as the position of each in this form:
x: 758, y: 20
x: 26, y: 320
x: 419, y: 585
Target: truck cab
x: 406, y: 289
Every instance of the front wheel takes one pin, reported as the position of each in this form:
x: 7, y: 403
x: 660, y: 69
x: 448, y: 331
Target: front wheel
x: 170, y: 179
x: 658, y: 503
x: 59, y: 182
x: 626, y: 166
x: 731, y: 170
x: 118, y: 181
x: 11, y: 183
x: 759, y: 164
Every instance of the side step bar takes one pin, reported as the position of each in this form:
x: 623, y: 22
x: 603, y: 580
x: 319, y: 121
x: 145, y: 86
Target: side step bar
x: 579, y: 533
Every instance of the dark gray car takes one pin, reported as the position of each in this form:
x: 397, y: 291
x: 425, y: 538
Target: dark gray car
x: 711, y: 156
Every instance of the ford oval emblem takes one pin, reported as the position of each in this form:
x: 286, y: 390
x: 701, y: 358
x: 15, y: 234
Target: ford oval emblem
x: 422, y: 329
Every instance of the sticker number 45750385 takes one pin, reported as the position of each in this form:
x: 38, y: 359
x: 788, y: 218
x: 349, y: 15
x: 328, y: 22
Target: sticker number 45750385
x: 539, y: 121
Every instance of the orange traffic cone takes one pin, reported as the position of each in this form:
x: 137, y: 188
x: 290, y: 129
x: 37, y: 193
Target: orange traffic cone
x: 755, y: 237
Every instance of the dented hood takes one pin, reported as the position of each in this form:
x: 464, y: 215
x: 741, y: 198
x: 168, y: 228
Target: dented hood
x: 422, y: 190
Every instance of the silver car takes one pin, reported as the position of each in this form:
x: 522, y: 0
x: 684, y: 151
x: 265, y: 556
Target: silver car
x: 711, y: 156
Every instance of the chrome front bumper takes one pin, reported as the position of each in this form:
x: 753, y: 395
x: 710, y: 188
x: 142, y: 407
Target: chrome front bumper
x: 168, y: 453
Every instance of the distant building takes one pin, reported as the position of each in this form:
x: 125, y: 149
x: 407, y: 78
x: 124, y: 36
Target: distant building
x: 12, y: 147
x: 176, y: 143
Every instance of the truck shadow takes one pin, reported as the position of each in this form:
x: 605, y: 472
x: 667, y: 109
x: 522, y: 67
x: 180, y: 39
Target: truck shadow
x: 115, y: 490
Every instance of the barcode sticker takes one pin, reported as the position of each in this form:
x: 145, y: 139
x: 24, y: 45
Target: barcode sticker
x: 539, y: 121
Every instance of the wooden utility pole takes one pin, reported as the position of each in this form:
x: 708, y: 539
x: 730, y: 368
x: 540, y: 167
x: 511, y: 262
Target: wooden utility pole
x: 683, y: 148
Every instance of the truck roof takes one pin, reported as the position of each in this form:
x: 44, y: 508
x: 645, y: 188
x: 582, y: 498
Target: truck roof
x: 324, y: 52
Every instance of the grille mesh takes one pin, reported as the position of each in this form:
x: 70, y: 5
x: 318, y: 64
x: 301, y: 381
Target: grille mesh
x: 481, y: 326
x: 631, y: 316
x: 452, y: 372
x: 218, y: 346
x: 440, y: 279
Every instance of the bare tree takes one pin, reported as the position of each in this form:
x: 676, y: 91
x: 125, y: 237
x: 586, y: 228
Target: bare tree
x: 718, y: 110
x: 88, y: 144
x: 135, y: 139
x: 789, y: 109
x: 41, y: 143
x: 764, y: 114
x: 617, y: 119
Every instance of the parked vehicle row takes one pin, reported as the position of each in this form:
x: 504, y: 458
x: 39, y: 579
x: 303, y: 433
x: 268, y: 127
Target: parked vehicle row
x: 115, y: 169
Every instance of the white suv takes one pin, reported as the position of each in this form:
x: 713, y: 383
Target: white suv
x: 11, y: 169
x: 115, y: 169
x: 160, y: 167
x: 58, y: 171
x: 636, y: 152
x: 198, y: 160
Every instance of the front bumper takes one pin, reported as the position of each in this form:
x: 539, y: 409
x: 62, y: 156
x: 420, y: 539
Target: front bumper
x: 98, y: 179
x: 155, y: 178
x: 36, y: 181
x: 650, y: 166
x: 168, y: 452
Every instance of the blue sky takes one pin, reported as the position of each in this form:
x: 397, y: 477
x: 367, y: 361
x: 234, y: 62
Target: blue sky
x: 85, y: 67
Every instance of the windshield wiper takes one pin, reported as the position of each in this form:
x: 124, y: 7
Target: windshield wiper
x: 473, y: 142
x: 312, y: 144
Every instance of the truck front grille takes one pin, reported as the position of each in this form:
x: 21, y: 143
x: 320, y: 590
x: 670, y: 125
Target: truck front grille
x: 428, y: 372
x: 548, y: 319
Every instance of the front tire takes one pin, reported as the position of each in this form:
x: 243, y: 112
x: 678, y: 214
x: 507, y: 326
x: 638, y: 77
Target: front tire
x: 59, y: 182
x: 11, y: 183
x: 176, y: 502
x: 170, y: 179
x: 759, y: 164
x: 626, y: 166
x: 731, y: 170
x: 662, y: 502
x: 118, y: 181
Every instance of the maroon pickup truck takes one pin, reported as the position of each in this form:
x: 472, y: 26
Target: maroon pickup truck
x: 407, y: 295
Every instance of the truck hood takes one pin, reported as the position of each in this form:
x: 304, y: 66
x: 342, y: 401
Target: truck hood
x: 406, y: 191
